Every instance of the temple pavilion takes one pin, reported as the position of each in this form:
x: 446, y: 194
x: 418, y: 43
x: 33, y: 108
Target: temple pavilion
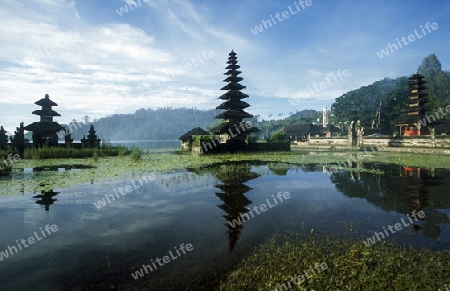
x: 231, y: 131
x: 416, y: 109
x: 44, y: 131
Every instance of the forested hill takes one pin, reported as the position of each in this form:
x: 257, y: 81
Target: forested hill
x: 363, y: 103
x: 148, y: 124
x: 360, y: 104
x: 170, y: 123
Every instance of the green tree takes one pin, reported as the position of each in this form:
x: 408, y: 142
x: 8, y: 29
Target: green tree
x: 279, y: 136
x: 438, y: 82
x: 430, y: 67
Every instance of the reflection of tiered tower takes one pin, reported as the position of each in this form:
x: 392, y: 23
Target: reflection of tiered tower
x: 416, y: 188
x: 44, y: 131
x: 415, y: 108
x: 231, y: 130
x: 46, y: 198
x: 234, y: 206
x: 419, y: 183
x: 233, y: 176
x: 404, y: 190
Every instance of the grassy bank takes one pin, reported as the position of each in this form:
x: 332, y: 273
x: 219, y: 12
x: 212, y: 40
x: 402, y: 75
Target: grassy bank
x: 67, y: 153
x: 350, y: 265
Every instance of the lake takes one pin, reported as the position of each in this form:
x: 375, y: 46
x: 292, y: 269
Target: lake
x: 103, y: 245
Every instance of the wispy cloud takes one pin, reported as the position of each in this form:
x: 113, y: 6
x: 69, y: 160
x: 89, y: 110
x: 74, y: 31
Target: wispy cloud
x: 75, y: 10
x: 117, y: 60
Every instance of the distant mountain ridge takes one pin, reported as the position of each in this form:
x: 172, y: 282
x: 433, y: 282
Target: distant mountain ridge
x: 388, y: 95
x: 147, y: 124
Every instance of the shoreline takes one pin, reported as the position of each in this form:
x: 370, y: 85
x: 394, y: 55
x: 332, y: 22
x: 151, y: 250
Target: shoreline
x: 414, y: 150
x: 122, y: 167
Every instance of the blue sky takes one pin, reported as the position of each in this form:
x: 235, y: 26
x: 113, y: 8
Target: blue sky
x: 93, y: 61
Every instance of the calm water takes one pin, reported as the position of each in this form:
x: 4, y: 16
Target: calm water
x: 99, y: 249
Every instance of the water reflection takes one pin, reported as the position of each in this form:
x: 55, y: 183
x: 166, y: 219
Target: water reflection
x: 390, y: 187
x: 401, y: 189
x: 46, y: 198
x: 234, y: 206
x: 231, y: 178
x: 179, y: 208
x: 278, y: 169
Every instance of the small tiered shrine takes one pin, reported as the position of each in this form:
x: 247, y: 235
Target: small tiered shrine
x: 416, y: 109
x: 18, y: 140
x: 91, y: 140
x: 3, y: 138
x: 45, y: 131
x: 232, y: 130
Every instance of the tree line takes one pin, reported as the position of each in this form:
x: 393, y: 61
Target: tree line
x: 379, y: 104
x: 376, y: 106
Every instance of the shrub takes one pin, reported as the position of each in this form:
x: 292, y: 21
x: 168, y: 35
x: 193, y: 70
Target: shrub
x: 71, y: 152
x: 95, y: 155
x: 123, y: 151
x: 136, y: 154
x: 252, y: 139
x: 278, y: 137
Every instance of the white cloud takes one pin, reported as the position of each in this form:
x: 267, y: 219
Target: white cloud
x: 85, y: 66
x: 122, y: 63
x: 314, y: 73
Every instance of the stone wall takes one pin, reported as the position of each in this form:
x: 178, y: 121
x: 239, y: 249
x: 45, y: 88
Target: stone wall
x: 421, y: 141
x: 406, y: 141
x: 376, y: 141
x: 267, y: 147
x: 252, y: 147
x: 329, y: 141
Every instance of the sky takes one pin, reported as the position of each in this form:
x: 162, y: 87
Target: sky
x: 104, y: 57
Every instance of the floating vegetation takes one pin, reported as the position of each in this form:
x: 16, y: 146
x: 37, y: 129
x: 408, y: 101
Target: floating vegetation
x: 122, y: 167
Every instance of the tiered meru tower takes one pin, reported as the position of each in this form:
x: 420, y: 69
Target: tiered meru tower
x: 44, y: 131
x: 416, y: 108
x: 232, y: 130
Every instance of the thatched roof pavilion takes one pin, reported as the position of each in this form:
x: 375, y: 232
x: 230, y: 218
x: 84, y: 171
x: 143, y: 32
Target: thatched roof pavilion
x: 44, y: 131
